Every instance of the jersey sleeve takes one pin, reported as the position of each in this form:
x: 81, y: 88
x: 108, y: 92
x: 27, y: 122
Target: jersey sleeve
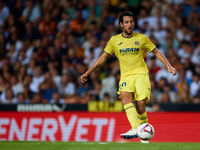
x: 148, y: 45
x: 109, y: 47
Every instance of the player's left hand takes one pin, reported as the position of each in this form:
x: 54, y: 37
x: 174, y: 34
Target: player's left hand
x: 172, y: 70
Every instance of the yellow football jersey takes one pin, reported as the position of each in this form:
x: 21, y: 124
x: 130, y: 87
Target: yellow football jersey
x: 129, y: 52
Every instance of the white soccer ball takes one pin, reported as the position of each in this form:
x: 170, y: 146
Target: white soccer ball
x: 145, y: 131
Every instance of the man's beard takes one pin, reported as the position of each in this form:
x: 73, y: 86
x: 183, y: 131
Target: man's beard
x: 128, y: 32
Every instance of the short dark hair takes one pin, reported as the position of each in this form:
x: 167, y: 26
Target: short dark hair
x: 126, y: 13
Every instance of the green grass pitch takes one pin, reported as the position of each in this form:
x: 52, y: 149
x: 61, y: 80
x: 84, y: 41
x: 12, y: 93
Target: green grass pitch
x: 23, y: 145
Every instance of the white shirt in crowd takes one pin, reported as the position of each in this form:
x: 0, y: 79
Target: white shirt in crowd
x: 96, y: 51
x: 18, y: 88
x: 57, y: 80
x: 69, y: 89
x: 154, y: 22
x: 18, y: 46
x: 160, y: 35
x: 194, y: 88
x: 109, y: 86
x: 5, y: 101
x: 35, y: 83
x: 195, y: 58
x: 165, y: 74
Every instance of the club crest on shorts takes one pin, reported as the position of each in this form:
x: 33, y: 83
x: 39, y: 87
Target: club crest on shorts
x: 137, y: 43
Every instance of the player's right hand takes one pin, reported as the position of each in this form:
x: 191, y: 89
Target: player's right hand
x: 84, y: 78
x: 172, y: 70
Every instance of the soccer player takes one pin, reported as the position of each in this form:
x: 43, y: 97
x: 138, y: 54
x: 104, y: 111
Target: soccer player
x: 134, y: 84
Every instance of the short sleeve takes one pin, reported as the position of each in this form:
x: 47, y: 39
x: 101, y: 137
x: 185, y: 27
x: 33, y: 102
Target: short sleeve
x: 109, y: 47
x: 148, y: 45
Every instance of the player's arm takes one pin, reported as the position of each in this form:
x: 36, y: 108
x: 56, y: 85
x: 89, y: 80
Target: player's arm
x: 163, y: 59
x: 102, y: 59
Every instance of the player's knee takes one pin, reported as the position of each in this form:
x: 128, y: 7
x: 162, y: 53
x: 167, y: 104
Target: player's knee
x: 126, y: 101
x: 126, y: 97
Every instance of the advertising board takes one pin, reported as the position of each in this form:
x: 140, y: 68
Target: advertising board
x: 86, y: 126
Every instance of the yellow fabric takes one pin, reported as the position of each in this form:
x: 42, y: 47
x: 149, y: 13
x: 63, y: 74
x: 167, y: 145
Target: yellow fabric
x: 142, y: 118
x: 130, y: 51
x: 138, y: 84
x: 131, y: 115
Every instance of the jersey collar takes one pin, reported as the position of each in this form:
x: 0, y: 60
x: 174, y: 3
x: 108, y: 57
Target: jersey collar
x: 128, y: 37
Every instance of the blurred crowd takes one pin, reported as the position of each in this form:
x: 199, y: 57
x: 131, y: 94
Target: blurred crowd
x: 46, y: 45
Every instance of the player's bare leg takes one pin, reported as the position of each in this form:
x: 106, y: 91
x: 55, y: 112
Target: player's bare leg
x: 131, y: 113
x: 141, y: 111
